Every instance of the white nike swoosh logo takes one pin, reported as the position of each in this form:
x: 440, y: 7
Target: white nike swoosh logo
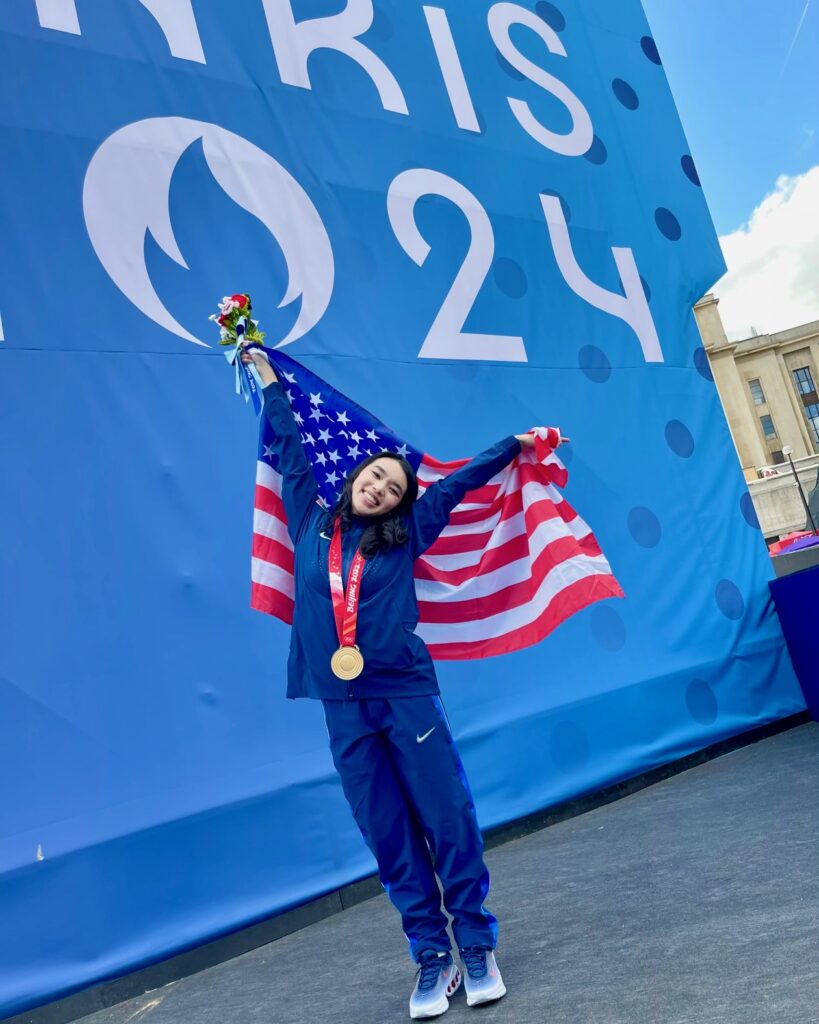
x: 420, y: 739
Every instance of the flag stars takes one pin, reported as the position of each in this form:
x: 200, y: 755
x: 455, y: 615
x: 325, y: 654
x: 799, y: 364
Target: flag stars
x: 321, y: 458
x: 333, y: 478
x: 269, y: 452
x: 289, y: 377
x: 316, y: 414
x: 355, y: 436
x: 309, y: 439
x: 324, y: 436
x: 343, y: 417
x: 372, y: 436
x: 403, y: 450
x: 298, y: 417
x: 354, y: 452
x: 334, y: 456
x: 316, y: 399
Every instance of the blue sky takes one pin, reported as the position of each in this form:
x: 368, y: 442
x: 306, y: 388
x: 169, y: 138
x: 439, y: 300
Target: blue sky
x: 750, y: 111
x: 745, y: 76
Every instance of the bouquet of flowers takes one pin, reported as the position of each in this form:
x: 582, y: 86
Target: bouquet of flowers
x: 238, y: 330
x: 234, y: 320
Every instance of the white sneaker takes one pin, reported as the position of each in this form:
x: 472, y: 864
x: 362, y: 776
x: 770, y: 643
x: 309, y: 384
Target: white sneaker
x: 438, y: 978
x: 482, y: 979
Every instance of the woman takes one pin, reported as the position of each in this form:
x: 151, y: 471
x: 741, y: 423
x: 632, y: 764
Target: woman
x: 353, y: 647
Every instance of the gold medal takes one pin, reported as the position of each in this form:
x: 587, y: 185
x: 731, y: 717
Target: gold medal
x: 347, y: 662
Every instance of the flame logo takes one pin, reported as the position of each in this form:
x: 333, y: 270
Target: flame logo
x: 126, y: 194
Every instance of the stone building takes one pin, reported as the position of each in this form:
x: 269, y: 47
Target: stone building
x: 768, y: 387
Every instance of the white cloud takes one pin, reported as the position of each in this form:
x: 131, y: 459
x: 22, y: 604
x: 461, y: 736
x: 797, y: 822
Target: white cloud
x: 773, y: 262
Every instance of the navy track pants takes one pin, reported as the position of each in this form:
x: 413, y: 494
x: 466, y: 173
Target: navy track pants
x: 405, y: 783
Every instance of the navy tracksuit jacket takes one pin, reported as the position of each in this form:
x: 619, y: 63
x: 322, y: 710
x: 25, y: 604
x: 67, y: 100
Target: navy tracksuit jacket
x: 389, y: 736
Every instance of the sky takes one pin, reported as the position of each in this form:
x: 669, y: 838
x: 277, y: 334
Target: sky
x: 745, y: 77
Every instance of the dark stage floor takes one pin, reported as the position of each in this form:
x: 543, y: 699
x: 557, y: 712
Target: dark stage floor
x: 694, y: 901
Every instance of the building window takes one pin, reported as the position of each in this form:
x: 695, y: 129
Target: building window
x: 804, y: 380
x: 768, y: 427
x: 757, y: 393
x: 778, y: 458
x: 812, y: 416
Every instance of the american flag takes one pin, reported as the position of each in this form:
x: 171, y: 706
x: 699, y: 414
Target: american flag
x: 514, y: 561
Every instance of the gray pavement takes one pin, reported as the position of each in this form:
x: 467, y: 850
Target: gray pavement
x: 695, y: 901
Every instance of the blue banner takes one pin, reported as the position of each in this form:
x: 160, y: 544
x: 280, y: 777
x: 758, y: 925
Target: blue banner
x: 470, y: 217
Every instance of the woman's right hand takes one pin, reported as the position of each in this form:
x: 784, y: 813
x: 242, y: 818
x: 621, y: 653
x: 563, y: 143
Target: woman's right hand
x: 262, y: 364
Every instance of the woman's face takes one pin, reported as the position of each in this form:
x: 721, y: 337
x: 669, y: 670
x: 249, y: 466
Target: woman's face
x: 379, y: 487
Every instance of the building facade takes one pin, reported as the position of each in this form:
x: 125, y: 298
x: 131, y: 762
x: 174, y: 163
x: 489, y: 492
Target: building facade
x: 768, y: 388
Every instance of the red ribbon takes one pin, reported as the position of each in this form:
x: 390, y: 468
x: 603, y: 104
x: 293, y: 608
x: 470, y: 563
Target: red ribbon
x: 345, y: 605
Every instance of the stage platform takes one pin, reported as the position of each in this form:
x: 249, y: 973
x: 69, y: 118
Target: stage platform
x: 694, y: 901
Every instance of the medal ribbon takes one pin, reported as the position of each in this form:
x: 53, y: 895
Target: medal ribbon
x: 345, y: 605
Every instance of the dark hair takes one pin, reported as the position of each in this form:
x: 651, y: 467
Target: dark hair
x: 385, y: 531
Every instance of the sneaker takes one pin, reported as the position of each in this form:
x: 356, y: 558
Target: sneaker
x: 482, y: 979
x: 438, y: 978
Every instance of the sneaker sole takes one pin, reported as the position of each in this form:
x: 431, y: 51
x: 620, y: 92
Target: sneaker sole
x: 489, y: 996
x: 436, y: 1009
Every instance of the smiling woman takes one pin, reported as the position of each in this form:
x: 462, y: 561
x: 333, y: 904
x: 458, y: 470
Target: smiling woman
x: 354, y: 647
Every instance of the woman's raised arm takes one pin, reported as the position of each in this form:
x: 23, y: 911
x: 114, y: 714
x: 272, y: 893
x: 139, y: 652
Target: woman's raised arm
x: 299, y: 488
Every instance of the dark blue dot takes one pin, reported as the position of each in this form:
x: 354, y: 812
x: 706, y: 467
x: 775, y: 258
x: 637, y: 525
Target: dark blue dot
x: 644, y: 527
x: 567, y: 210
x: 649, y: 48
x: 627, y: 96
x: 594, y: 363
x: 596, y: 153
x: 607, y: 628
x: 702, y: 364
x: 510, y: 277
x: 746, y: 507
x: 729, y: 600
x: 701, y: 702
x: 551, y: 15
x: 507, y: 67
x: 646, y: 289
x: 679, y: 439
x: 568, y: 746
x: 690, y: 170
x: 668, y: 223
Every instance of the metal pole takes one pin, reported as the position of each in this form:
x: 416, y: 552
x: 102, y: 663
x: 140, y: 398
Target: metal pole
x: 802, y: 493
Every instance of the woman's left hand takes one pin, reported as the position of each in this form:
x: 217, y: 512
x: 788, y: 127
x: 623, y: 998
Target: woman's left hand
x: 528, y: 440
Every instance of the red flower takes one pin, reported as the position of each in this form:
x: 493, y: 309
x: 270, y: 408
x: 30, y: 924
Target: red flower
x: 243, y: 301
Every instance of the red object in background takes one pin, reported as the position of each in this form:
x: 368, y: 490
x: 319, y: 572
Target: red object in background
x: 779, y: 546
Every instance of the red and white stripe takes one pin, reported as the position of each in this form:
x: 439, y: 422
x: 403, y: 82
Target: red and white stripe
x: 514, y: 561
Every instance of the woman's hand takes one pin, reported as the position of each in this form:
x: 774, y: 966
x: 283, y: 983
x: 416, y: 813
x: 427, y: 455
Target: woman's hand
x: 262, y: 364
x: 528, y: 440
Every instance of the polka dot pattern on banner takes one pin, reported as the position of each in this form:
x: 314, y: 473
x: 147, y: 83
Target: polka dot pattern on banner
x: 507, y: 68
x: 690, y: 170
x: 702, y: 364
x: 594, y: 363
x: 746, y: 507
x: 701, y: 702
x: 678, y: 438
x: 607, y: 628
x: 510, y: 278
x: 597, y: 152
x: 644, y: 527
x: 729, y: 600
x: 551, y: 15
x: 568, y: 746
x: 649, y: 48
x: 625, y: 94
x: 668, y: 224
